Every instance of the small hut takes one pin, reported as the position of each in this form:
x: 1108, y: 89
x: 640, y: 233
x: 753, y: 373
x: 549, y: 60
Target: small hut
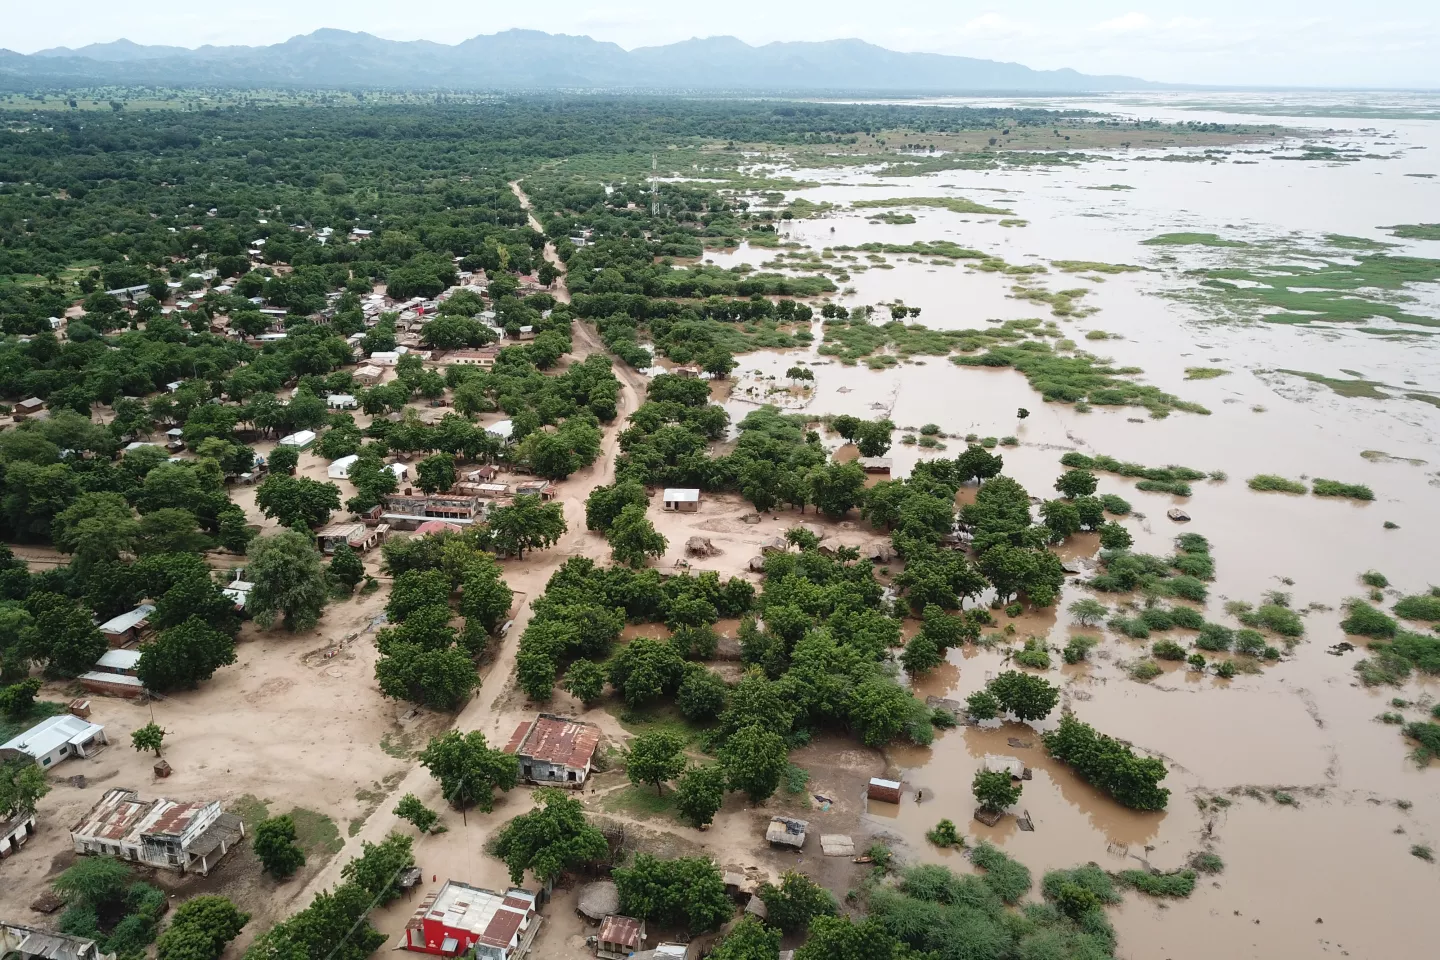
x: 775, y: 545
x: 884, y: 790
x: 700, y: 547
x: 787, y: 832
x: 1011, y: 765
x: 598, y: 900
x: 757, y: 564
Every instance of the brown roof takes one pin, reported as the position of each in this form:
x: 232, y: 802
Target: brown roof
x: 622, y: 930
x: 502, y: 927
x: 556, y: 740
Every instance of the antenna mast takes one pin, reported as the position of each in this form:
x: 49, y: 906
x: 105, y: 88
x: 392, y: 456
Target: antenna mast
x: 654, y: 186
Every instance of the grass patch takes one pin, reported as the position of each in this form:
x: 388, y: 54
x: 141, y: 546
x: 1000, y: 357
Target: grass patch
x: 1270, y: 483
x: 1173, y: 479
x: 660, y: 719
x: 1334, y: 488
x: 1094, y: 266
x: 953, y: 204
x: 1180, y: 883
x: 1077, y: 378
x: 1415, y: 231
x: 1356, y: 387
x: 250, y: 809
x: 401, y: 746
x: 315, y: 832
x: 1425, y: 606
x: 1204, y: 373
x: 1007, y: 877
x: 639, y: 802
x: 1192, y: 240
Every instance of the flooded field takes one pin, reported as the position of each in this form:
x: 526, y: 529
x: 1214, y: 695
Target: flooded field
x: 1320, y: 803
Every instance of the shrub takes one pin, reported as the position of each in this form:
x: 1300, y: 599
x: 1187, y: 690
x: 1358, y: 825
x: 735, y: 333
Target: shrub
x: 1269, y: 482
x: 1079, y: 648
x: 1168, y: 650
x: 1334, y: 488
x: 1199, y: 565
x: 1422, y: 607
x: 1034, y: 655
x: 1269, y: 616
x: 1177, y: 884
x: 1118, y: 506
x: 993, y: 790
x: 1143, y: 670
x: 1157, y: 618
x: 1427, y: 736
x: 1250, y: 643
x: 1089, y: 878
x: 1187, y: 617
x: 1187, y: 587
x: 1207, y: 863
x: 1108, y: 764
x: 1226, y: 669
x: 1088, y: 611
x: 1366, y: 621
x: 983, y: 705
x: 944, y: 834
x: 1374, y: 578
x: 1197, y: 661
x: 1133, y: 627
x: 1007, y: 877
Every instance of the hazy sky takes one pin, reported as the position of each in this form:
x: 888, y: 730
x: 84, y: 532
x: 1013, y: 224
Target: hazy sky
x: 1299, y: 42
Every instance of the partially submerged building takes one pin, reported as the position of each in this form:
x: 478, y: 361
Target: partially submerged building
x: 459, y: 917
x: 357, y: 536
x: 787, y: 832
x: 161, y: 833
x: 554, y: 750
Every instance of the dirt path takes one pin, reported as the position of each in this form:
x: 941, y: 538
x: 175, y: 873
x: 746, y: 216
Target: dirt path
x: 494, y: 712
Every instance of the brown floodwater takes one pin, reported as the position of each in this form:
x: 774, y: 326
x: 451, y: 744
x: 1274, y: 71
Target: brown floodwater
x: 1330, y: 874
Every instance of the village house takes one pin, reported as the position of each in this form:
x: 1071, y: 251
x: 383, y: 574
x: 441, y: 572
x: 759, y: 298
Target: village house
x: 619, y: 937
x: 554, y: 750
x: 55, y: 739
x: 356, y: 536
x: 340, y: 469
x: 13, y: 834
x: 368, y: 375
x: 543, y: 489
x: 27, y: 408
x: 484, y: 358
x: 459, y: 917
x: 128, y: 627
x: 485, y: 491
x: 341, y: 401
x: 300, y: 439
x: 408, y: 511
x: 503, y: 429
x: 160, y: 833
x: 385, y: 358
x: 115, y: 674
x: 787, y: 832
x: 681, y: 500
x: 30, y: 943
x: 880, y: 465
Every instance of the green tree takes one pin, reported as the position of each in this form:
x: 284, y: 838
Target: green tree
x: 685, y: 891
x: 148, y: 737
x: 297, y: 502
x: 585, y: 680
x: 837, y: 488
x: 378, y: 868
x: 921, y: 655
x: 469, y: 770
x: 200, y: 928
x: 182, y: 657
x: 17, y: 699
x: 485, y: 598
x: 170, y: 530
x: 346, y: 567
x: 993, y: 790
x: 96, y: 528
x: 1025, y: 695
x: 527, y: 524
x: 436, y: 473
x: 1113, y: 536
x: 93, y: 882
x: 873, y: 438
x: 284, y: 460
x: 411, y: 809
x: 700, y: 794
x: 552, y: 838
x: 1076, y: 483
x: 605, y: 503
x: 702, y: 693
x: 633, y: 538
x: 275, y: 845
x: 441, y: 679
x: 840, y: 938
x: 796, y: 901
x: 1109, y: 765
x: 654, y: 758
x: 289, y: 581
x: 64, y: 636
x: 749, y: 939
x: 22, y: 785
x: 645, y: 670
x: 982, y: 705
x: 754, y: 760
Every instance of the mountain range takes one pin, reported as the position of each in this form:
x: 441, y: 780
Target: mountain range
x: 534, y: 60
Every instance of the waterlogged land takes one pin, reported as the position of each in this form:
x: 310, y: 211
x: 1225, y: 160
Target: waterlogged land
x: 1279, y: 289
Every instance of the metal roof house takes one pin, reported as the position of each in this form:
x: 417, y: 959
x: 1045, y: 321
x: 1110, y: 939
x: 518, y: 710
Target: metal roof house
x: 116, y: 674
x: 504, y: 429
x: 459, y: 917
x: 554, y: 750
x: 128, y: 627
x: 300, y: 440
x: 340, y: 469
x: 54, y: 739
x: 876, y: 464
x: 161, y: 833
x: 13, y: 835
x: 685, y: 500
x: 29, y: 943
x: 787, y: 832
x: 619, y: 937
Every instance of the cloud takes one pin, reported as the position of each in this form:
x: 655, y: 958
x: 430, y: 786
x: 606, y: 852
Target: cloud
x: 1126, y: 23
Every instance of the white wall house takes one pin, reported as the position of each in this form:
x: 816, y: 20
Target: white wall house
x: 55, y: 739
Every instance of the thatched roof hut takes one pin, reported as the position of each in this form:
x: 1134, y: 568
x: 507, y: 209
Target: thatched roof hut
x: 598, y: 900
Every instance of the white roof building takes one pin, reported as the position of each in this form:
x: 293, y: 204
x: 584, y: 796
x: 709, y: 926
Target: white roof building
x: 129, y: 447
x: 300, y: 439
x: 340, y: 401
x: 385, y: 358
x: 54, y: 739
x: 128, y: 621
x: 505, y: 429
x: 340, y: 469
x: 399, y: 469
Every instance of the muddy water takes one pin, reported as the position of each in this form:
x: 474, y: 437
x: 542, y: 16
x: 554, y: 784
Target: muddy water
x: 1303, y: 726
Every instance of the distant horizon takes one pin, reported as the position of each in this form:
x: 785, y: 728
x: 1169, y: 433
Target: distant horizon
x: 1302, y: 44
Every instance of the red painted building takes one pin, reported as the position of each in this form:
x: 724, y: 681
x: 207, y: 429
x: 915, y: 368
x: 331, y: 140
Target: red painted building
x: 459, y: 917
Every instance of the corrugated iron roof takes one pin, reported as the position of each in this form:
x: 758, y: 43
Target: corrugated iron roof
x: 568, y: 743
x: 624, y: 931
